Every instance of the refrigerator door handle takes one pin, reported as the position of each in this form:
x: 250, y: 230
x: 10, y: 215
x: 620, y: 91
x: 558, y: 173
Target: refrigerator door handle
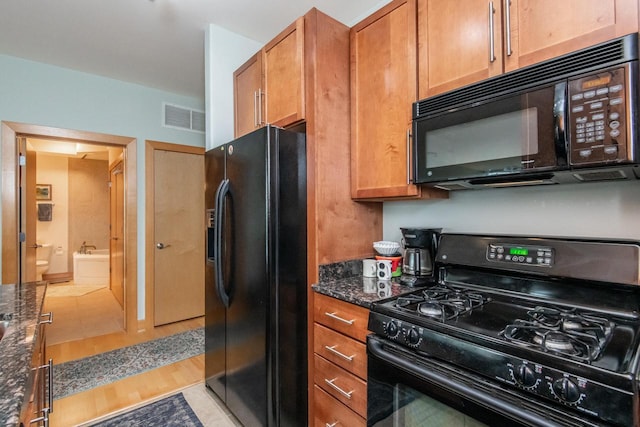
x: 221, y: 194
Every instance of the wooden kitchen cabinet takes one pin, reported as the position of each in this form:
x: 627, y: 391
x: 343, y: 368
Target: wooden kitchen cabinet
x: 284, y: 76
x: 383, y: 87
x: 269, y: 87
x: 247, y: 94
x: 38, y: 401
x: 340, y: 361
x: 454, y: 43
x: 543, y: 29
x: 457, y: 46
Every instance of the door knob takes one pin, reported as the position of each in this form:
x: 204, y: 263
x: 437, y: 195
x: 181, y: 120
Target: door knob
x: 161, y: 245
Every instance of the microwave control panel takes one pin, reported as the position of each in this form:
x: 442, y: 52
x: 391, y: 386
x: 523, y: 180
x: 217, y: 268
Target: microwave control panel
x: 516, y: 254
x: 597, y: 117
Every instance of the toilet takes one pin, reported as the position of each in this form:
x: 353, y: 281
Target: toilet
x: 43, y: 254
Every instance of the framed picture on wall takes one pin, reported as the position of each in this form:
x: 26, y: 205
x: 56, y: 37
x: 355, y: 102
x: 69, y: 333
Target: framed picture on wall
x: 43, y: 191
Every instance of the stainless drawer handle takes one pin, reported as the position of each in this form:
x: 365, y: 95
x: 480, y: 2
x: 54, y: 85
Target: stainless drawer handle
x: 334, y: 424
x: 333, y: 316
x: 50, y: 317
x: 44, y: 419
x: 338, y: 389
x: 333, y: 350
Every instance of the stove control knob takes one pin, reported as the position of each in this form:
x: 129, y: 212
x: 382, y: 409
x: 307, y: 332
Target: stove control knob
x: 413, y: 337
x: 566, y: 390
x: 392, y: 329
x: 525, y: 376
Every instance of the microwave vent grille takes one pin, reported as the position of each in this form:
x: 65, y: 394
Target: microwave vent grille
x: 606, y: 54
x: 607, y: 175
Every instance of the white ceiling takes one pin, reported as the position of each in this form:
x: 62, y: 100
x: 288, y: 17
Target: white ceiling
x: 156, y: 43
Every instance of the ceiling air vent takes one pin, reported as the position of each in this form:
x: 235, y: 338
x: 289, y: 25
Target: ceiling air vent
x: 175, y: 116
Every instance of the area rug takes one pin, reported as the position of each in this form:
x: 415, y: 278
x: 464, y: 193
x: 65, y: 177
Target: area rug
x: 104, y: 368
x: 71, y: 290
x: 172, y: 411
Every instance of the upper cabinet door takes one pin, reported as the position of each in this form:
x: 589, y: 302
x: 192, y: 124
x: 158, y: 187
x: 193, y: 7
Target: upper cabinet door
x: 543, y: 29
x: 284, y: 76
x: 459, y: 42
x: 247, y: 94
x: 383, y: 86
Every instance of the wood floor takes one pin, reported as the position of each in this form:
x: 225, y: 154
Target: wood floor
x: 131, y: 391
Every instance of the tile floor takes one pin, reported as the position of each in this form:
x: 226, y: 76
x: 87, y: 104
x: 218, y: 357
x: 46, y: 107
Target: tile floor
x: 78, y: 317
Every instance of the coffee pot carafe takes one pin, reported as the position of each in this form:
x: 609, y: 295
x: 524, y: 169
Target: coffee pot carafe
x: 420, y: 245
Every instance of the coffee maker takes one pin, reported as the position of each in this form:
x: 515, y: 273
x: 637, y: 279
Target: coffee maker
x: 420, y: 246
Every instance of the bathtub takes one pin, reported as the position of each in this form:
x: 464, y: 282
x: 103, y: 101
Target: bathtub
x: 91, y: 268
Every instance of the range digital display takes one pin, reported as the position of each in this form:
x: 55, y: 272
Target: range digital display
x: 519, y: 251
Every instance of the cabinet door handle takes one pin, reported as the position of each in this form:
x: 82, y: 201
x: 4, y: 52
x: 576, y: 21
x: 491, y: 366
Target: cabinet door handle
x: 255, y: 108
x: 409, y: 180
x: 346, y: 394
x: 261, y: 120
x: 333, y: 424
x: 49, y: 320
x: 50, y: 378
x: 507, y: 18
x: 492, y: 47
x: 334, y: 316
x: 333, y: 350
x: 46, y: 411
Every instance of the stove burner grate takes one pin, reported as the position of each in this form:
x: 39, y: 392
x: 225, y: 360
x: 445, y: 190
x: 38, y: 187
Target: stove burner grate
x: 581, y: 336
x: 441, y: 302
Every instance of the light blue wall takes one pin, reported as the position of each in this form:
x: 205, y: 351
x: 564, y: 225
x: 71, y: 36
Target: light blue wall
x: 600, y: 210
x: 224, y: 53
x: 40, y: 94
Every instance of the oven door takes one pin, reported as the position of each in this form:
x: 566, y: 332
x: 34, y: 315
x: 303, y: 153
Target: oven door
x: 521, y: 133
x: 407, y: 390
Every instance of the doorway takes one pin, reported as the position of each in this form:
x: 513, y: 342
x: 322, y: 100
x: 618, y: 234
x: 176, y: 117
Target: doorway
x: 12, y: 195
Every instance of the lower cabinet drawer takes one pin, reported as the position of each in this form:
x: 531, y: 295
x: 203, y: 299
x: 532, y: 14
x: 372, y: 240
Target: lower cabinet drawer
x: 341, y: 384
x: 341, y: 350
x: 329, y: 412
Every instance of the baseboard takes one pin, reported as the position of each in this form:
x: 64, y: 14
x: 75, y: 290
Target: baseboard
x: 57, y: 277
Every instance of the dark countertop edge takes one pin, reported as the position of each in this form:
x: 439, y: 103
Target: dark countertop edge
x: 362, y: 291
x: 23, y: 304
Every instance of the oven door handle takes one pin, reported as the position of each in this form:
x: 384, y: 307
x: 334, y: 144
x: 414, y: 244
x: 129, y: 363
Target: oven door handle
x: 482, y: 397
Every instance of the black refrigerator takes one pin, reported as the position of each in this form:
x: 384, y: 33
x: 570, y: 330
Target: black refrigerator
x: 256, y: 277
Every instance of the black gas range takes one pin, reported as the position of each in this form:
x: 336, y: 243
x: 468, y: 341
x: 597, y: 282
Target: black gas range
x: 513, y: 331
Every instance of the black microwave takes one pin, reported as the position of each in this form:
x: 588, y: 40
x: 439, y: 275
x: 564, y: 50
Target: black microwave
x: 569, y: 119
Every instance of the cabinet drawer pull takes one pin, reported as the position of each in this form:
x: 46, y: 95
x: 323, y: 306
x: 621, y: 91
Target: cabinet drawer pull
x: 333, y: 350
x: 333, y: 424
x: 44, y: 419
x: 338, y: 389
x: 50, y: 317
x: 334, y: 316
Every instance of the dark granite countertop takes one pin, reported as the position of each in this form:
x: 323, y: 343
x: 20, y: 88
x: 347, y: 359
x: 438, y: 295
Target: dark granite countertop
x: 345, y: 282
x: 21, y: 306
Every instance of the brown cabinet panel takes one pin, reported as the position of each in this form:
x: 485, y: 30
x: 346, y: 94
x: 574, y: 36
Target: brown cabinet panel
x: 348, y: 319
x: 247, y: 94
x: 284, y: 76
x: 454, y: 43
x: 543, y: 29
x: 456, y: 46
x: 383, y: 86
x: 342, y: 385
x: 330, y: 412
x: 341, y: 350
